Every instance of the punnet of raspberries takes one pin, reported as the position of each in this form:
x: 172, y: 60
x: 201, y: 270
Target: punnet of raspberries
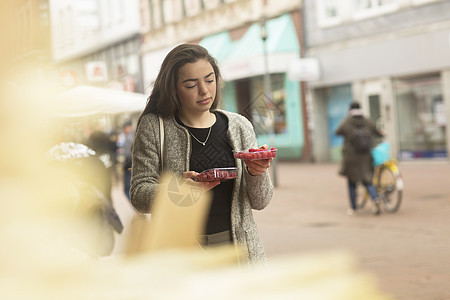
x: 256, y: 153
x: 214, y: 174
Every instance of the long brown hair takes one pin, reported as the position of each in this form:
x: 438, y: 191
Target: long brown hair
x: 163, y: 99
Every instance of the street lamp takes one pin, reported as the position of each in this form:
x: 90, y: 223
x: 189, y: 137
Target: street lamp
x: 268, y: 93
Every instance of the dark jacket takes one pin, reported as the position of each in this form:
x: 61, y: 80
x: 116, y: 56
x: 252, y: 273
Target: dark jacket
x: 357, y: 167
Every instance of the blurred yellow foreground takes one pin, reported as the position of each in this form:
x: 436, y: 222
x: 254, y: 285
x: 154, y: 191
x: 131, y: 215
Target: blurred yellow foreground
x: 43, y: 241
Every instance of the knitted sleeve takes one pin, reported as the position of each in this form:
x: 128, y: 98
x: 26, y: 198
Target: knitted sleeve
x: 146, y: 161
x: 259, y: 189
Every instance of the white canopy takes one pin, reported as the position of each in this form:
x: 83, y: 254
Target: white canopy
x: 83, y: 101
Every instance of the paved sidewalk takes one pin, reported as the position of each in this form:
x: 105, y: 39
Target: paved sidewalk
x: 407, y: 252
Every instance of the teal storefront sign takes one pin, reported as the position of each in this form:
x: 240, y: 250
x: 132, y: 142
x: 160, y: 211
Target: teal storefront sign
x: 242, y: 59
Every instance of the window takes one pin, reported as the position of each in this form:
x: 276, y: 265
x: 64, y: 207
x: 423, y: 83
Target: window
x: 329, y: 12
x: 66, y: 31
x: 156, y: 13
x: 24, y: 28
x: 334, y: 12
x: 118, y: 10
x: 210, y: 4
x: 268, y: 115
x: 172, y: 10
x: 421, y: 2
x: 370, y: 8
x: 87, y: 16
x: 421, y: 117
x: 192, y: 7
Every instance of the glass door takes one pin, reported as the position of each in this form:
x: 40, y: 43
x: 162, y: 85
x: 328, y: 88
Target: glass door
x: 377, y: 107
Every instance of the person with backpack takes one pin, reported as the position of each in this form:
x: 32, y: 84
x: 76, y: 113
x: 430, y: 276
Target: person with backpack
x: 357, y: 162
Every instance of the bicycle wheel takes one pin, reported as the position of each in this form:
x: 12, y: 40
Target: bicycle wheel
x: 389, y: 189
x: 361, y: 196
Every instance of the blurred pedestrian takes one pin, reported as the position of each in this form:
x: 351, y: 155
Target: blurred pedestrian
x: 126, y: 143
x: 104, y: 149
x: 88, y: 176
x: 198, y: 136
x: 113, y: 138
x: 357, y: 162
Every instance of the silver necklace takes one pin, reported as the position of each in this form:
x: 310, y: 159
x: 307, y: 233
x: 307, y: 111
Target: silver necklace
x: 203, y: 143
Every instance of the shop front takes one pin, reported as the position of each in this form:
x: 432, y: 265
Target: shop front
x: 408, y: 97
x: 410, y: 110
x: 256, y: 81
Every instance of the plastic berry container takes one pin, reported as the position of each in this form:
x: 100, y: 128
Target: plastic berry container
x: 254, y: 154
x: 215, y: 174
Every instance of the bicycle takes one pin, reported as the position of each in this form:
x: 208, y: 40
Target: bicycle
x: 389, y: 184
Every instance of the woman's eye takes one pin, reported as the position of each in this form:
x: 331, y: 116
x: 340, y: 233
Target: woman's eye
x: 190, y: 86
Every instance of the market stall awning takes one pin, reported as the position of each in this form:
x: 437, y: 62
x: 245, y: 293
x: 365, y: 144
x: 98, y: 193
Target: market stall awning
x: 84, y: 100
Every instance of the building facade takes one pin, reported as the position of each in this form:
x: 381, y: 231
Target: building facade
x: 26, y: 44
x: 97, y: 42
x: 394, y: 58
x: 255, y: 42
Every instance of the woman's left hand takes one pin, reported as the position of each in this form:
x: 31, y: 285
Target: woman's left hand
x: 258, y: 166
x: 207, y: 185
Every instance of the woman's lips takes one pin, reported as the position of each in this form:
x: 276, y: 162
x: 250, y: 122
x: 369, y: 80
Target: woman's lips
x: 204, y: 101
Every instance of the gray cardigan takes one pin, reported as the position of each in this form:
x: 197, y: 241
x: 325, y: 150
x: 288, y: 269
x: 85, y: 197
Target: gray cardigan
x: 249, y: 192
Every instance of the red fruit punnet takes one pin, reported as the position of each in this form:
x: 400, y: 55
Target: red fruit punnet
x: 256, y: 153
x: 216, y: 174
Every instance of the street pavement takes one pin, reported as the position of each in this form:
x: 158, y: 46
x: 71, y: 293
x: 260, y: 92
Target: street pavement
x: 407, y: 253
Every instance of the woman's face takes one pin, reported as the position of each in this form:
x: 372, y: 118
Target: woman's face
x: 196, y: 86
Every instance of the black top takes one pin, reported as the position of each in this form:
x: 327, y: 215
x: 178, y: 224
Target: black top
x: 217, y: 153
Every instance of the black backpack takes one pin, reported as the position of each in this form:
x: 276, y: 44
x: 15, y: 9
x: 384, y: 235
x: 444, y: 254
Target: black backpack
x: 361, y: 139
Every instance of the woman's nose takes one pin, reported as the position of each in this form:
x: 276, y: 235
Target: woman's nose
x: 202, y: 89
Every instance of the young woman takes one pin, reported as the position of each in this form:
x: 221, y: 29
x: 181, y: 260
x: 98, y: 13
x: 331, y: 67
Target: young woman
x: 198, y: 136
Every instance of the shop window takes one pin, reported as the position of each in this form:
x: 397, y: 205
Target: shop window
x: 268, y: 112
x: 421, y: 117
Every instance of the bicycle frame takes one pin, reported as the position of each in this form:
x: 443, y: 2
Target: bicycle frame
x: 391, y: 165
x: 389, y: 184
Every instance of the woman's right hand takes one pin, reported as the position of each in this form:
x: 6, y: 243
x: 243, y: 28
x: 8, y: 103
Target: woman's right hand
x: 207, y: 185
